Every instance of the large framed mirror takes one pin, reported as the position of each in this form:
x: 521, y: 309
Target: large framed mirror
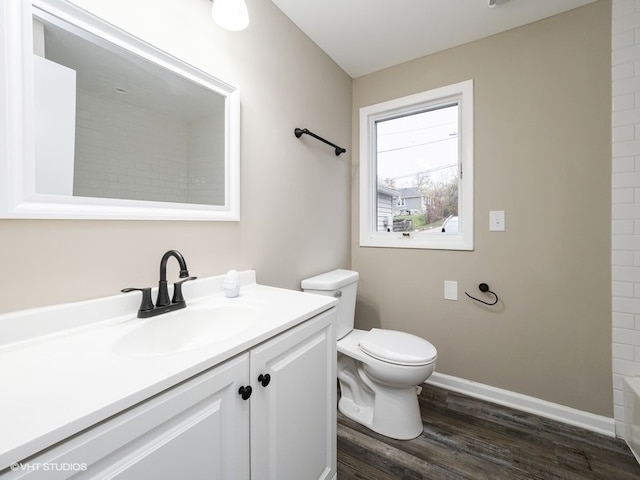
x: 101, y: 125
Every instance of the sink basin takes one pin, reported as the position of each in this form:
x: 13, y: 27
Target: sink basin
x: 187, y: 329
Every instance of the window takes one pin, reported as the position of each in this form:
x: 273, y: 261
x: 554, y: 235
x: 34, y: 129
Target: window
x: 416, y: 170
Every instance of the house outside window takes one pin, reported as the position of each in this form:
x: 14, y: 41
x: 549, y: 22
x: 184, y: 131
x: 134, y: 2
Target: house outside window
x: 384, y: 212
x: 412, y: 200
x: 417, y: 160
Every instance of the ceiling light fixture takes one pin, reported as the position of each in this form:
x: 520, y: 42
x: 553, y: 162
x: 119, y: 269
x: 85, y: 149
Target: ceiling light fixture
x: 496, y: 3
x: 230, y: 14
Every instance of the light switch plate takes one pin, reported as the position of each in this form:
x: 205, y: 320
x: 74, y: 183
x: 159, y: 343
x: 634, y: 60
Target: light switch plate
x: 496, y: 221
x: 450, y: 290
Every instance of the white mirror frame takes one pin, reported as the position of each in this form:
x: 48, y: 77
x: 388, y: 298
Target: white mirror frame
x: 18, y: 198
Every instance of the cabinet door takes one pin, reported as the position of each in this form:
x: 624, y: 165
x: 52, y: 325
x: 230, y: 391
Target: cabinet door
x: 196, y: 430
x: 293, y: 417
x: 208, y: 439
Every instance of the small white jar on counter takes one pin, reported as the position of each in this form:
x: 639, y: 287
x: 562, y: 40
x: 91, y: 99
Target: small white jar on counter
x: 231, y: 284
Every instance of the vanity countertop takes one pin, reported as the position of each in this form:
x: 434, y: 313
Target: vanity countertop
x: 60, y: 372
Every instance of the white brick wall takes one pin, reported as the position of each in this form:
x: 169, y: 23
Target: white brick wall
x: 625, y: 255
x: 119, y: 155
x: 206, y: 161
x: 124, y: 151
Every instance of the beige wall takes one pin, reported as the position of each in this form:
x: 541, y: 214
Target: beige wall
x: 542, y: 154
x: 295, y: 193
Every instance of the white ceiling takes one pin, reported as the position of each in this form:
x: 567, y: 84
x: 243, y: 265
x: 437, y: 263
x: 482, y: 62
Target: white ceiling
x: 103, y: 68
x: 364, y: 36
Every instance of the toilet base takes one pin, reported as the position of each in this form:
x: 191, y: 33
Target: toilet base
x: 394, y: 413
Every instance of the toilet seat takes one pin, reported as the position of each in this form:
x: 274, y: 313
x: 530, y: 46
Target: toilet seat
x: 398, y: 348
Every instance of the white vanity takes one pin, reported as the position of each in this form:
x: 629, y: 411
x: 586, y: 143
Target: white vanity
x: 227, y: 388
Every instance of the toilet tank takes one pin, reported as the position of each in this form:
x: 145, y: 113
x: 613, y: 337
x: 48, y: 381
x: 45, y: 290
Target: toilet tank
x: 341, y: 284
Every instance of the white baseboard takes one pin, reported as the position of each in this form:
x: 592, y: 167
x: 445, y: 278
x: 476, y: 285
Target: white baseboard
x: 554, y: 411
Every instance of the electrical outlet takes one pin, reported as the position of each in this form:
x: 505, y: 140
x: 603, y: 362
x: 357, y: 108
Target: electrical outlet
x: 450, y: 290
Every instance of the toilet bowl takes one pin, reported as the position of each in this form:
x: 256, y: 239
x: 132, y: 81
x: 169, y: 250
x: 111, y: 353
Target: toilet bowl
x: 378, y: 370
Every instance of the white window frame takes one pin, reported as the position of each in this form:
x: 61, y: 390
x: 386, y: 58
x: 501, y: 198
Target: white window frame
x: 462, y: 93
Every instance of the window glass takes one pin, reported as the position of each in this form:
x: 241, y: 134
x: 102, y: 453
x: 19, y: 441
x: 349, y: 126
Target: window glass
x: 417, y: 170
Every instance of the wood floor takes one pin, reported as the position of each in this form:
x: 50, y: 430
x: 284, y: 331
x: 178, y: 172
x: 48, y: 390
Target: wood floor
x: 465, y: 438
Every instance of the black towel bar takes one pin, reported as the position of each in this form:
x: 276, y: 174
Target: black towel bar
x: 300, y: 131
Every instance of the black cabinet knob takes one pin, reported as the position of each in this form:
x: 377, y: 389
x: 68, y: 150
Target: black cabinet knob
x: 245, y: 392
x: 264, y: 379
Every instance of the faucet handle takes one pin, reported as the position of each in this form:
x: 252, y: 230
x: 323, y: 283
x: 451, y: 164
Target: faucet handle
x: 147, y: 303
x: 177, y: 290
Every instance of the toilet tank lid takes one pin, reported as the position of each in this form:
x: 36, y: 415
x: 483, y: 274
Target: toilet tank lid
x: 398, y: 347
x: 331, y: 280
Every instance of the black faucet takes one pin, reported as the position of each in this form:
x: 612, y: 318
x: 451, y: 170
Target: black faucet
x: 163, y: 304
x: 163, y: 292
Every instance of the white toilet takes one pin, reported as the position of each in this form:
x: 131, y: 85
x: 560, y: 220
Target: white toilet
x: 378, y: 370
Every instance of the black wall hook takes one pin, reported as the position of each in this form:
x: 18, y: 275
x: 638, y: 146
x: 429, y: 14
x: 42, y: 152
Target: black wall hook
x: 483, y: 287
x: 298, y: 132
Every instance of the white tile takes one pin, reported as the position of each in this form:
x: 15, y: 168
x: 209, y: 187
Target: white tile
x: 622, y: 227
x: 623, y: 289
x: 623, y: 258
x: 625, y: 274
x: 625, y: 367
x: 624, y: 133
x: 623, y: 320
x: 618, y: 381
x: 623, y: 22
x: 625, y: 242
x: 629, y: 100
x: 623, y: 195
x: 624, y: 352
x: 627, y: 116
x: 618, y: 414
x: 624, y: 164
x: 626, y: 210
x: 623, y: 7
x: 625, y: 85
x: 618, y: 397
x: 626, y: 179
x: 625, y: 336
